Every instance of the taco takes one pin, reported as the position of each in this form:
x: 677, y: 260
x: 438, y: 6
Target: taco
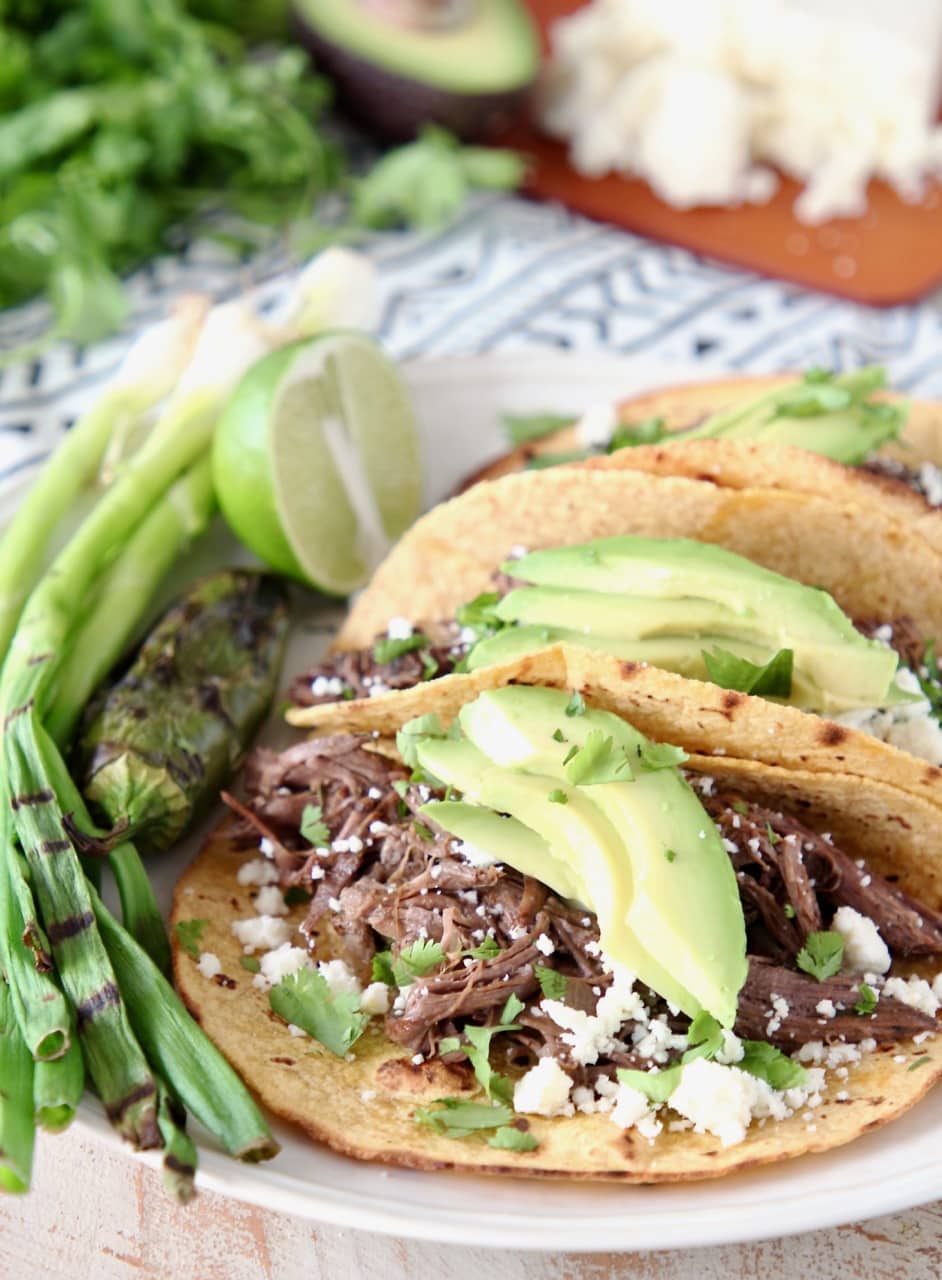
x: 714, y: 584
x: 573, y: 959
x: 741, y: 433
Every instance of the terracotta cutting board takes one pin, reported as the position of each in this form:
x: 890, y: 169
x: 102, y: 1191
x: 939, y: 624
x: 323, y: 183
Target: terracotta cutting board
x: 893, y: 254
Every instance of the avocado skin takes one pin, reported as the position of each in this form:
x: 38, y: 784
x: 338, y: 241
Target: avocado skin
x: 394, y: 106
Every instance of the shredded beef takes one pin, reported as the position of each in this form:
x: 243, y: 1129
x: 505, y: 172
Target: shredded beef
x: 757, y: 1018
x: 379, y: 879
x: 359, y: 670
x: 892, y: 472
x: 906, y: 638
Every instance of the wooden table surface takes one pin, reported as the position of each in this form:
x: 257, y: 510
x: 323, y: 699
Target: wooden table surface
x: 97, y: 1213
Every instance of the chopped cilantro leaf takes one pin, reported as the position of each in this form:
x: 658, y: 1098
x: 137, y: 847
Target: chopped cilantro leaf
x: 773, y: 680
x: 920, y: 1062
x: 558, y: 458
x: 741, y: 807
x: 670, y: 855
x: 251, y: 963
x: 648, y: 431
x: 660, y: 755
x: 811, y: 399
x: 188, y: 934
x: 821, y: 955
x: 478, y: 1050
x: 387, y: 649
x: 772, y: 838
x: 767, y: 1063
x: 481, y: 613
x: 382, y: 968
x: 450, y: 1044
x: 552, y: 983
x: 456, y: 1119
x: 416, y: 960
x: 488, y: 949
x: 347, y: 695
x: 305, y: 999
x: 931, y: 683
x: 705, y: 1037
x: 521, y: 428
x: 789, y: 911
x: 422, y: 831
x: 559, y: 736
x: 573, y: 751
x: 401, y: 786
x: 576, y: 704
x: 597, y: 760
x: 510, y: 1010
x: 657, y: 1086
x: 868, y: 1000
x: 507, y: 1138
x: 429, y: 666
x: 313, y: 828
x: 556, y: 796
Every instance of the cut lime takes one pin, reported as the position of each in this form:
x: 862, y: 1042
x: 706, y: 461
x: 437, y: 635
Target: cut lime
x: 316, y: 460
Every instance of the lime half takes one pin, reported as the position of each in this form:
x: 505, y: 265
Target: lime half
x: 316, y: 460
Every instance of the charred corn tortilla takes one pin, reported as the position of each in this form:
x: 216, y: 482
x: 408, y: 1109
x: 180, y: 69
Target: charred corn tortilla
x: 875, y: 566
x: 365, y: 1107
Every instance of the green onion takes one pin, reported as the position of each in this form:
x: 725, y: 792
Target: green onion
x: 17, y: 1134
x: 57, y: 1089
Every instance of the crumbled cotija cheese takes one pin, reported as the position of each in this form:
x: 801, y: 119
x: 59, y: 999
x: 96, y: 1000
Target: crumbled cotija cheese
x: 270, y: 901
x: 339, y: 977
x: 280, y: 963
x: 262, y: 933
x: 864, y: 949
x: 910, y: 726
x: 258, y: 872
x: 209, y: 964
x: 544, y: 1090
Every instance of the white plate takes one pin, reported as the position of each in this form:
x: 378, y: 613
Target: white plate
x: 459, y: 402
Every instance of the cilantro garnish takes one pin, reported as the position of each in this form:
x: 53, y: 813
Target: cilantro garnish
x: 741, y: 807
x: 429, y: 666
x: 189, y: 933
x: 552, y: 983
x: 597, y: 760
x: 478, y: 1050
x: 510, y: 1010
x: 657, y: 1086
x: 868, y: 1000
x: 412, y: 733
x: 295, y: 895
x: 401, y: 786
x: 558, y: 458
x: 313, y: 828
x: 670, y: 855
x: 659, y: 755
x: 422, y: 831
x: 388, y: 649
x: 648, y: 431
x: 774, y: 680
x: 381, y: 969
x: 920, y: 1062
x: 455, y: 1119
x: 813, y: 397
x: 789, y: 911
x: 508, y: 1138
x: 251, y: 963
x: 481, y: 613
x: 821, y: 955
x: 305, y: 999
x: 488, y: 949
x: 767, y: 1063
x: 931, y: 683
x: 770, y: 835
x: 521, y: 428
x: 576, y: 704
x: 705, y: 1037
x: 557, y: 796
x: 416, y: 960
x: 559, y: 736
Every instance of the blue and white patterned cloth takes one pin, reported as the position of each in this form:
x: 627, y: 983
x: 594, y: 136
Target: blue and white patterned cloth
x: 511, y: 275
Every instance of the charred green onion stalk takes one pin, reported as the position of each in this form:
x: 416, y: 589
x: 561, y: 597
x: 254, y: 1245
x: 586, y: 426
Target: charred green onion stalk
x: 78, y: 992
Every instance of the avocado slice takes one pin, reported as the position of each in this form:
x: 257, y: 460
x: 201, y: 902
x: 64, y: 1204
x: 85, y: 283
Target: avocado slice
x: 648, y: 858
x: 821, y: 413
x: 462, y: 64
x: 664, y: 601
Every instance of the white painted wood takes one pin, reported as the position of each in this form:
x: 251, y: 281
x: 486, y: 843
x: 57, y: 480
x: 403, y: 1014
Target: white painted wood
x: 97, y: 1214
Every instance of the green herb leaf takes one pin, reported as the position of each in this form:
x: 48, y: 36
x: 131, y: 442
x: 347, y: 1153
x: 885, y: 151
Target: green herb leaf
x: 422, y: 831
x: 251, y: 963
x: 660, y: 755
x: 657, y: 1086
x: 450, y: 1044
x: 811, y: 399
x: 305, y: 999
x: 510, y: 1010
x: 387, y: 649
x: 521, y: 428
x: 481, y: 612
x: 920, y: 1062
x: 456, y: 1119
x: 770, y: 835
x: 507, y: 1138
x: 821, y: 955
x: 868, y: 1000
x: 559, y: 736
x: 597, y: 761
x: 416, y: 960
x: 401, y: 786
x: 488, y: 949
x: 670, y: 855
x: 552, y: 983
x: 773, y: 680
x: 768, y: 1064
x: 313, y: 828
x: 189, y: 933
x: 414, y: 730
x: 576, y: 704
x: 558, y: 458
x: 628, y: 435
x: 741, y: 807
x: 557, y: 796
x: 429, y: 666
x: 705, y: 1037
x: 382, y: 968
x: 789, y: 911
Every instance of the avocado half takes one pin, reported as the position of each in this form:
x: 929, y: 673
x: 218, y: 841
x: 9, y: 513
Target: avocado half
x: 399, y: 64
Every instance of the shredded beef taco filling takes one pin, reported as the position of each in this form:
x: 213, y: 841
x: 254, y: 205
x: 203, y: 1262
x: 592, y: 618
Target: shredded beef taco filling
x: 383, y: 881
